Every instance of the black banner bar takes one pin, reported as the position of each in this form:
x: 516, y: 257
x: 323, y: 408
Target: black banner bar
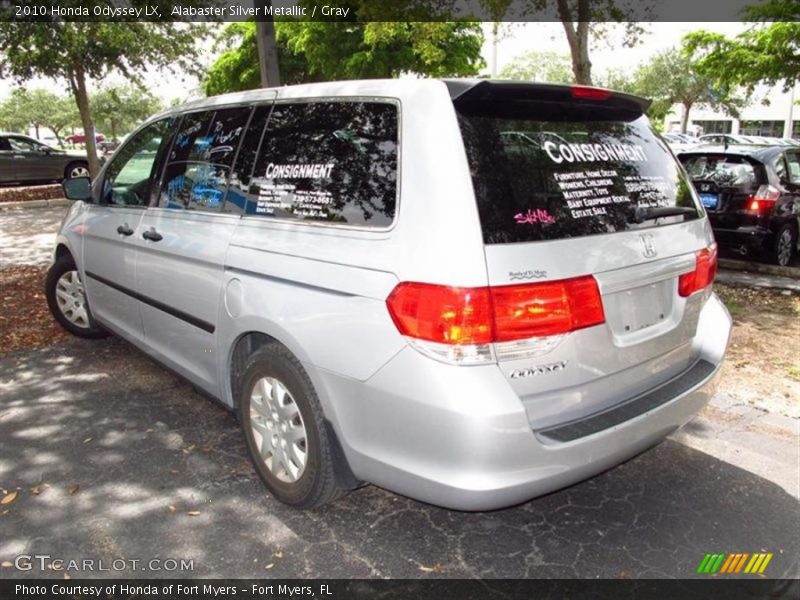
x: 365, y: 10
x: 361, y: 589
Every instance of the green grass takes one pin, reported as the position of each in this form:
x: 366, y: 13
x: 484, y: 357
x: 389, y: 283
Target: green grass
x: 733, y: 307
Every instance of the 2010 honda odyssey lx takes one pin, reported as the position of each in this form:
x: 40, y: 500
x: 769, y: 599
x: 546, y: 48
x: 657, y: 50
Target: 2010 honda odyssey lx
x: 468, y: 292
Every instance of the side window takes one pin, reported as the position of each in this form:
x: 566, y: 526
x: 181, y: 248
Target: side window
x: 128, y: 178
x: 780, y: 168
x: 328, y: 161
x: 238, y: 189
x: 196, y: 176
x: 793, y: 160
x: 23, y: 145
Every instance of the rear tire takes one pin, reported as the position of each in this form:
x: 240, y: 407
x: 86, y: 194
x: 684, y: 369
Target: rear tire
x: 66, y: 299
x: 284, y: 429
x: 783, y: 245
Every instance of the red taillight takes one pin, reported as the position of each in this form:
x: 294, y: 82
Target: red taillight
x: 498, y: 314
x: 590, y: 93
x: 703, y: 274
x: 447, y: 315
x: 540, y: 309
x: 764, y: 199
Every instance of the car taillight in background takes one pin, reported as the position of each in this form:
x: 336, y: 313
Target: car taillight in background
x: 703, y: 275
x: 478, y: 325
x: 764, y: 200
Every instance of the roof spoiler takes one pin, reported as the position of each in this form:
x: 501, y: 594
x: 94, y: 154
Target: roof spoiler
x: 487, y: 90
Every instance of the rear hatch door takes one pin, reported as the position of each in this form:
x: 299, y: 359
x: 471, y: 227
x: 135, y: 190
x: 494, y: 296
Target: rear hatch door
x: 725, y: 184
x: 573, y: 182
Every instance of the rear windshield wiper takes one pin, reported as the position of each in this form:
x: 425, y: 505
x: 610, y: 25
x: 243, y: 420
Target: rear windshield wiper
x: 646, y: 213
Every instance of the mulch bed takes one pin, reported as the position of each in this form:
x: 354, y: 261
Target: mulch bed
x: 25, y: 321
x: 28, y: 193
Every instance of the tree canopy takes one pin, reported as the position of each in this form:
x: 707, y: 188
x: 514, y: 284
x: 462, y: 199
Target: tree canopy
x: 77, y: 52
x: 767, y: 53
x: 672, y: 77
x: 38, y: 108
x: 584, y: 21
x: 545, y: 66
x: 118, y: 109
x: 317, y: 51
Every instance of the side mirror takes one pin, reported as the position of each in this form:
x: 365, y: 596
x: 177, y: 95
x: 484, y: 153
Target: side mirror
x: 78, y: 188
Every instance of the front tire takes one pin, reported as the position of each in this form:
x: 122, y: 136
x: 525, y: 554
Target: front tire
x: 76, y: 169
x: 66, y: 299
x: 783, y: 245
x: 284, y: 429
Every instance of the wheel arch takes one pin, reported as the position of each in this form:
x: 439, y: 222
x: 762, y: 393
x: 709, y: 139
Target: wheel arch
x: 62, y: 250
x: 242, y: 348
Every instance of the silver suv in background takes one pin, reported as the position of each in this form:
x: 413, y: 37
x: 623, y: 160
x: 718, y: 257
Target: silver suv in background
x: 468, y: 292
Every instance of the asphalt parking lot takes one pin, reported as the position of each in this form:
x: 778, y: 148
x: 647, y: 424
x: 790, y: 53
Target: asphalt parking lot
x: 114, y: 457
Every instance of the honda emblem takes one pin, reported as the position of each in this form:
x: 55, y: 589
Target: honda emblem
x: 648, y: 245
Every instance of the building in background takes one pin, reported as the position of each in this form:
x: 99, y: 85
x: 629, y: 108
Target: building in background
x: 780, y: 118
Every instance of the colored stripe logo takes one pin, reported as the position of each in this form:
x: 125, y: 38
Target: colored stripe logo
x: 734, y: 563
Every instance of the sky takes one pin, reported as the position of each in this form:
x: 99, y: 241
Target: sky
x: 515, y: 39
x: 519, y: 38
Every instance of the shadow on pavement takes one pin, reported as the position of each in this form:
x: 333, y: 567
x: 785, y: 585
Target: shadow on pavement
x: 137, y: 440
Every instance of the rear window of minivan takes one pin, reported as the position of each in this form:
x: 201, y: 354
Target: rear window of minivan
x: 551, y: 171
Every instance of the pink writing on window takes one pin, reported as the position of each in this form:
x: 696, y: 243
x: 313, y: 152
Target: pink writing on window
x: 534, y: 216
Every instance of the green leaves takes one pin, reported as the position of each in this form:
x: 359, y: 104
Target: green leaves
x: 37, y: 107
x: 672, y: 76
x: 766, y: 53
x: 119, y: 109
x: 316, y: 51
x: 545, y: 66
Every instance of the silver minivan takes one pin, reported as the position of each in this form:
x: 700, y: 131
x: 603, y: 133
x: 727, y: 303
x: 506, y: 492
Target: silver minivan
x: 468, y: 292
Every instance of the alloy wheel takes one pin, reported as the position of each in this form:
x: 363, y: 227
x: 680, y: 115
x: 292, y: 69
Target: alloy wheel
x: 278, y: 429
x: 71, y: 299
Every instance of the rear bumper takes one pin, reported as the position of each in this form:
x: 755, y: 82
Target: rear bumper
x: 750, y: 237
x: 459, y: 437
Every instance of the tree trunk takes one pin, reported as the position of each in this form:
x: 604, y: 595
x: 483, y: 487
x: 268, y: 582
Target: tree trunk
x: 78, y: 84
x: 578, y: 38
x: 687, y: 106
x: 267, y: 52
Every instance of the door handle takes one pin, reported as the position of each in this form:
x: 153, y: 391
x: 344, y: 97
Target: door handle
x: 152, y: 235
x: 124, y: 230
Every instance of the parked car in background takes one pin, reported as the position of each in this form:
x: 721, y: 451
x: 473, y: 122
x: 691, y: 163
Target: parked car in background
x: 724, y: 138
x: 106, y: 148
x: 751, y: 195
x: 24, y: 159
x: 469, y: 292
x: 679, y: 142
x: 80, y: 138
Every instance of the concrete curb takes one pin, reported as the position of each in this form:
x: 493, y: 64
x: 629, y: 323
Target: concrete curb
x: 758, y: 280
x: 754, y: 267
x: 35, y: 203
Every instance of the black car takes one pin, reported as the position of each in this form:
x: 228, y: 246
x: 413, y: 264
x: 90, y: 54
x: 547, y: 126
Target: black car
x: 24, y: 159
x: 751, y: 194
